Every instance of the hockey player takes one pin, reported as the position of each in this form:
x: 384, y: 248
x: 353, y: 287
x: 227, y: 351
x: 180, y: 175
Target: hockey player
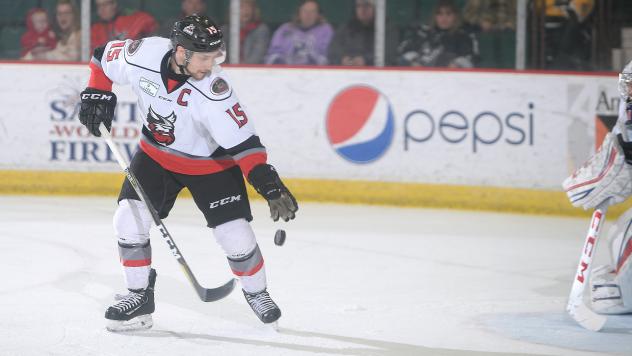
x: 608, y: 175
x: 196, y: 135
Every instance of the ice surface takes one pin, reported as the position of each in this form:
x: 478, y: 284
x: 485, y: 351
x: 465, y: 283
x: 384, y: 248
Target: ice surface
x: 350, y: 280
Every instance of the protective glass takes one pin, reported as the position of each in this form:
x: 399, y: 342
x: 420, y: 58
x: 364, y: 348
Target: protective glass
x: 625, y: 85
x: 222, y: 54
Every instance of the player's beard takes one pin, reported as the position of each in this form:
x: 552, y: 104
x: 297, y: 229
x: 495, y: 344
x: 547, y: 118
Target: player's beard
x: 200, y: 75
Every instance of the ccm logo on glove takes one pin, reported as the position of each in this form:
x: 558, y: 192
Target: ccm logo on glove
x: 96, y: 96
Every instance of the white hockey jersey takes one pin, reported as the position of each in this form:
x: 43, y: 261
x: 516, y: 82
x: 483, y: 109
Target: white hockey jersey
x: 187, y: 125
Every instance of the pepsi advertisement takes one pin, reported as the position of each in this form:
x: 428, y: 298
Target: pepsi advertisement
x: 521, y: 130
x: 501, y: 129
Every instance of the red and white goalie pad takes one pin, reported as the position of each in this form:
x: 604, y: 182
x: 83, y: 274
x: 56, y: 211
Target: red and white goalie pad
x: 605, y: 175
x: 611, y: 285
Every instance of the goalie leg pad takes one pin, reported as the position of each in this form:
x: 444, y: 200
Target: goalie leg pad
x: 624, y: 280
x: 605, y: 292
x: 620, y: 240
x: 606, y: 175
x: 612, y: 285
x: 610, y: 292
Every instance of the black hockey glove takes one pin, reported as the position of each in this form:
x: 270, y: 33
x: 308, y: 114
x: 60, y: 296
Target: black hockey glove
x: 266, y: 181
x: 97, y: 106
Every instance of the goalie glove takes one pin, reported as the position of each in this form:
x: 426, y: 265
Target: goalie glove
x: 605, y: 175
x: 266, y: 181
x: 97, y: 106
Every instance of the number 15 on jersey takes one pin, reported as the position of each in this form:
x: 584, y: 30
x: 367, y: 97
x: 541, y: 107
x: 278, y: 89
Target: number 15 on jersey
x: 238, y: 115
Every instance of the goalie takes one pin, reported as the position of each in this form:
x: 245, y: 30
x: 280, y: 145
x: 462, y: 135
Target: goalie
x: 608, y: 175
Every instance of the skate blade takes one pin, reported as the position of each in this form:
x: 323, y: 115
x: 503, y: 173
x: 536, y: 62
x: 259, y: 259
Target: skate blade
x: 142, y: 322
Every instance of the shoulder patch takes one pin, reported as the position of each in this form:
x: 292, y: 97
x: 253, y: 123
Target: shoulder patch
x: 133, y: 47
x: 219, y: 86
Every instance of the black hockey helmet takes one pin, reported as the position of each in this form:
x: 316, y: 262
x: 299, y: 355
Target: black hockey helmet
x: 197, y: 33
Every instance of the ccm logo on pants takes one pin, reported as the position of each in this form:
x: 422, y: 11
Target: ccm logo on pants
x: 225, y: 201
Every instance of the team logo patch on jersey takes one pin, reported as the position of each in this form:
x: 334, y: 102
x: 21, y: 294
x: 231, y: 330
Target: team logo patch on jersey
x: 219, y: 86
x: 133, y: 47
x: 149, y: 87
x: 161, y: 127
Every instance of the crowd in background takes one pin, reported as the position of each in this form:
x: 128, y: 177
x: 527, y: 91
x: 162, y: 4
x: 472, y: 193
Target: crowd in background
x: 455, y: 36
x: 59, y: 40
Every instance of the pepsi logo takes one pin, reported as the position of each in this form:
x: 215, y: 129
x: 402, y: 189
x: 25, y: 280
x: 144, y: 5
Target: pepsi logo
x: 360, y: 124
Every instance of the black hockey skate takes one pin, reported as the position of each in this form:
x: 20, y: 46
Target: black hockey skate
x: 263, y: 306
x: 133, y: 311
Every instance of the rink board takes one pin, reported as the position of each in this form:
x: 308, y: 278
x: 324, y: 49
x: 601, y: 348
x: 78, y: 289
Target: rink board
x: 490, y: 140
x: 515, y: 200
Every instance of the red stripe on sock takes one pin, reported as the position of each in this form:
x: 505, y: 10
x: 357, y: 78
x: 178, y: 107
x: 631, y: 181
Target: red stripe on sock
x: 251, y: 272
x: 136, y: 263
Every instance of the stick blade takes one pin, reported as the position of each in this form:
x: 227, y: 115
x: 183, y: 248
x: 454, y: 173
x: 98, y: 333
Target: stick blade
x: 585, y: 317
x: 215, y: 294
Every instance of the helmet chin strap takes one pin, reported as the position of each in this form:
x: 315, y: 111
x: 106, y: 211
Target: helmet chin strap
x: 183, y: 67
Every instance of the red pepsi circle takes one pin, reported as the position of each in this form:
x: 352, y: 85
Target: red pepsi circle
x: 360, y: 124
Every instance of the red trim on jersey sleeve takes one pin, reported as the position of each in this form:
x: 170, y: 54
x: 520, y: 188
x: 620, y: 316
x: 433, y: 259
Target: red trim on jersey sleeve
x: 250, y: 161
x: 185, y: 165
x: 136, y: 263
x: 98, y: 79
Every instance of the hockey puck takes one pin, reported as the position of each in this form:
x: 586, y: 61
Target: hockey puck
x: 279, y: 237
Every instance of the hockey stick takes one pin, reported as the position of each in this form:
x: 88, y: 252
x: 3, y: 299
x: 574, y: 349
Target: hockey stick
x: 205, y: 294
x: 576, y: 308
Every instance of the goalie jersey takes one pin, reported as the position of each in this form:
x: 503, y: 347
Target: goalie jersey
x: 190, y: 126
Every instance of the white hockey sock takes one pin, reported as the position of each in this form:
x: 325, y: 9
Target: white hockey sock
x: 132, y: 222
x: 244, y: 257
x: 137, y: 277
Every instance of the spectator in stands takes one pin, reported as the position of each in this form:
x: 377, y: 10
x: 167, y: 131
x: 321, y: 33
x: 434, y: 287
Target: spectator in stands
x: 354, y: 42
x: 254, y: 35
x: 304, y: 40
x: 493, y: 22
x: 490, y: 15
x: 68, y: 33
x: 569, y: 34
x: 188, y: 8
x: 39, y: 37
x: 113, y: 25
x: 442, y: 44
